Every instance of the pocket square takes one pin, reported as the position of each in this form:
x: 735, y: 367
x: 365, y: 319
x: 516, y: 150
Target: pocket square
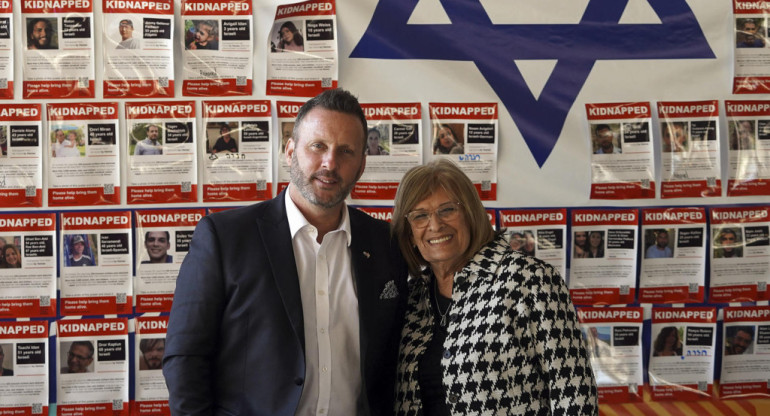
x: 390, y: 291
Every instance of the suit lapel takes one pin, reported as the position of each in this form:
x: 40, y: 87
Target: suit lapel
x: 276, y: 239
x: 361, y: 252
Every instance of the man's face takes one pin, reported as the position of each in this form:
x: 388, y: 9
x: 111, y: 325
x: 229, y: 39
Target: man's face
x: 79, y: 358
x: 727, y: 240
x: 59, y: 136
x: 225, y: 133
x: 741, y: 342
x: 154, y: 356
x: 157, y: 246
x: 750, y: 28
x: 41, y: 35
x: 203, y: 34
x: 662, y: 239
x: 152, y: 133
x: 126, y: 30
x: 327, y: 156
x: 604, y: 137
x: 78, y: 248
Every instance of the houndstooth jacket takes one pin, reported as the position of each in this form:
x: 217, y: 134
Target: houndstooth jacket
x: 513, y: 344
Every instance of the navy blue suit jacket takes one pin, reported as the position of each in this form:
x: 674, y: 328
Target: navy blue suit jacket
x: 235, y: 341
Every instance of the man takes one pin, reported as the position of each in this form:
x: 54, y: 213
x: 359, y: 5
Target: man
x: 749, y: 36
x: 64, y: 146
x: 77, y: 258
x: 79, y: 357
x: 740, y: 341
x: 294, y: 305
x: 39, y: 34
x: 205, y: 35
x: 727, y: 245
x: 126, y: 29
x: 157, y: 244
x: 225, y: 143
x: 150, y: 145
x: 604, y: 138
x: 660, y: 249
x: 4, y: 371
x: 152, y: 353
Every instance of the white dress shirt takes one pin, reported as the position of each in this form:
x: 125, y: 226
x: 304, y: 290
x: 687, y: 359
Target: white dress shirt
x: 330, y: 311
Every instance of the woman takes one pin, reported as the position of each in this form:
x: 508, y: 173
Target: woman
x: 291, y: 39
x: 667, y: 343
x: 595, y: 245
x: 480, y: 317
x: 445, y: 142
x: 373, y: 147
x: 12, y: 257
x: 581, y: 245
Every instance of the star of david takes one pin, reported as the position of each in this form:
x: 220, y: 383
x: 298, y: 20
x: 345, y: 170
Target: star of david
x: 472, y: 36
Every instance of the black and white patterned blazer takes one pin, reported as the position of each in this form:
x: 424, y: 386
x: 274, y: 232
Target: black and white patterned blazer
x: 513, y: 346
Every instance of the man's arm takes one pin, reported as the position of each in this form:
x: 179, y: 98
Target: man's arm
x: 192, y: 337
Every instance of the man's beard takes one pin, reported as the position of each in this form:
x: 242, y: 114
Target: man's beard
x: 305, y: 188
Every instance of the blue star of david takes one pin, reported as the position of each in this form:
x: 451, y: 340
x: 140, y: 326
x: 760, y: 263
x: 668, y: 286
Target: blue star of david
x: 492, y: 47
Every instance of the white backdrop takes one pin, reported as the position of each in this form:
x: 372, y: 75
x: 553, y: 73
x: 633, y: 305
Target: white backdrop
x: 564, y: 179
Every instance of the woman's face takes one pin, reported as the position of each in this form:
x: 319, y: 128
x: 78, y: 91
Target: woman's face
x: 671, y: 339
x: 11, y: 257
x: 580, y: 238
x: 445, y: 137
x: 596, y: 240
x: 287, y: 35
x: 441, y: 242
x: 373, y: 140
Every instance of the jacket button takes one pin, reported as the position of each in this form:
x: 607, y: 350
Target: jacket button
x: 447, y: 354
x: 453, y: 398
x: 298, y: 381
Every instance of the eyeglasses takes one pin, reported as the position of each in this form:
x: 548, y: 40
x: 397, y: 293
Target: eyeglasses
x: 445, y: 212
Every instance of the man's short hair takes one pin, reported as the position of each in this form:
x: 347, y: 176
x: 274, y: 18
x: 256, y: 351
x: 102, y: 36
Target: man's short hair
x: 147, y: 235
x: 727, y: 231
x: 87, y: 344
x: 148, y: 344
x: 147, y: 127
x: 734, y: 330
x: 128, y: 22
x: 335, y: 100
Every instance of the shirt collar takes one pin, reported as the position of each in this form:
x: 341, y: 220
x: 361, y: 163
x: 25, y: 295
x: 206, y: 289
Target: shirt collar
x: 297, y: 221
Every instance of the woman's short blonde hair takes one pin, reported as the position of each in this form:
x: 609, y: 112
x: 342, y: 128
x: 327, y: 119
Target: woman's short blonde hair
x: 419, y: 183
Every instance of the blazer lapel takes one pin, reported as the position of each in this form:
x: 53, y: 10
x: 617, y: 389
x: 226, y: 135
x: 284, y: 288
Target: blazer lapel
x: 276, y: 239
x: 367, y: 283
